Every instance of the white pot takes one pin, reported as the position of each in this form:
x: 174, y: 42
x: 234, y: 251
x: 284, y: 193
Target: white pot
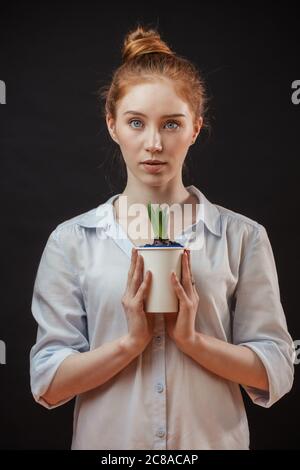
x: 161, y: 261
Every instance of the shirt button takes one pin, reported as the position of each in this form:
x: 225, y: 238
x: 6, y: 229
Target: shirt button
x: 158, y: 339
x: 159, y: 387
x: 160, y: 433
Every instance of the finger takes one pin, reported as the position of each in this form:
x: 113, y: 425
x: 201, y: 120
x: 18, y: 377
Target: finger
x: 188, y: 252
x: 190, y: 268
x: 132, y: 266
x: 184, y: 272
x: 189, y: 259
x: 137, y: 277
x: 179, y: 289
x: 186, y: 275
x: 144, y: 288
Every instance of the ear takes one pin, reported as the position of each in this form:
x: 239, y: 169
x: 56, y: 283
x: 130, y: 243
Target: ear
x: 197, y: 127
x: 110, y: 122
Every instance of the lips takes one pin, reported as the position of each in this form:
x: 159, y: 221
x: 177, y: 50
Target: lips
x: 153, y: 162
x: 153, y: 167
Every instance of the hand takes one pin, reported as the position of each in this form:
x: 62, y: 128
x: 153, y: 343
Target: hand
x: 140, y: 324
x: 181, y: 326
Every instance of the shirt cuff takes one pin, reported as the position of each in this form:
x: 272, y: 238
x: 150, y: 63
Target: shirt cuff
x: 43, y: 369
x: 280, y: 375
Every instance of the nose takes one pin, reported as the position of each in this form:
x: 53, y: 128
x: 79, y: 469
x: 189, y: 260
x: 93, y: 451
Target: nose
x: 153, y: 143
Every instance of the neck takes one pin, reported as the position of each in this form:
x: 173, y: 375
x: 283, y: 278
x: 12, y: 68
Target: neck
x: 171, y: 192
x: 156, y: 195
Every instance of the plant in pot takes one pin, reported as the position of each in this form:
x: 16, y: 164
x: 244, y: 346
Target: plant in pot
x: 161, y: 258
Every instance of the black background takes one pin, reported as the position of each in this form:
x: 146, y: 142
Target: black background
x: 56, y: 156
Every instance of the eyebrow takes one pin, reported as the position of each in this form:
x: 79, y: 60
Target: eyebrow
x: 165, y: 116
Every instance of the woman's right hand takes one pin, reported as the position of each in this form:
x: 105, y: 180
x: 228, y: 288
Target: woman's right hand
x: 140, y: 324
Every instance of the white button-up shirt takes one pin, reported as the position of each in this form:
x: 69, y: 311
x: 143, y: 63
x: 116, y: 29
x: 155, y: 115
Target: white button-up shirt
x: 163, y: 399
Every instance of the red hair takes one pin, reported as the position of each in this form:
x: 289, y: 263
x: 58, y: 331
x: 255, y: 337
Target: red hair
x: 146, y: 57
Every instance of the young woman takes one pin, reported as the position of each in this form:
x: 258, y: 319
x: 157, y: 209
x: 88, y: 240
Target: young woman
x: 158, y: 381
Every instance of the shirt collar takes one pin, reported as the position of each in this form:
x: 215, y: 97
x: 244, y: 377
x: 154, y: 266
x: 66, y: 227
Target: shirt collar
x: 103, y: 216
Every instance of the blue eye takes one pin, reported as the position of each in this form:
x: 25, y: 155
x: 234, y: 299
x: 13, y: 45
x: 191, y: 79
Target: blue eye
x: 134, y: 120
x: 169, y: 122
x: 173, y: 122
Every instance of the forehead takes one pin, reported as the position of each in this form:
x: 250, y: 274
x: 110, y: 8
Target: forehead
x: 153, y: 98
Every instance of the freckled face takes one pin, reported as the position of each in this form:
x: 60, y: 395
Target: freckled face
x: 153, y: 135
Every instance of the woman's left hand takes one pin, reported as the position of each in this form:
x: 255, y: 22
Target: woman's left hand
x: 181, y: 326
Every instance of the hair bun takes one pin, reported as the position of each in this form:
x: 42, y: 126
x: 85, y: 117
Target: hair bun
x: 143, y: 41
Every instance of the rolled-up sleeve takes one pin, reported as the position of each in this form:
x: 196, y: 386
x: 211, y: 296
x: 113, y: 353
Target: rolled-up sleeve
x: 259, y: 321
x: 58, y: 308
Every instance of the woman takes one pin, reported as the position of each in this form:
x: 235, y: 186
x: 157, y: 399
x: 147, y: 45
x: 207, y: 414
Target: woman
x: 158, y: 381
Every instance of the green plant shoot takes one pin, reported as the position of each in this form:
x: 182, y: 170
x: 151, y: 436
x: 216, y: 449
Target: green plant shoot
x: 159, y: 219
